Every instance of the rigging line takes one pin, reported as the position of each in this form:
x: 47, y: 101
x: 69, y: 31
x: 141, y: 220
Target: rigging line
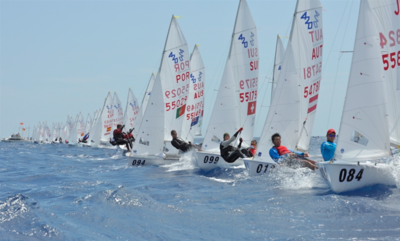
x: 337, y: 68
x: 337, y: 31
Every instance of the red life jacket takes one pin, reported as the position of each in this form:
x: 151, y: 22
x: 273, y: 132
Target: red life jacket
x: 282, y: 150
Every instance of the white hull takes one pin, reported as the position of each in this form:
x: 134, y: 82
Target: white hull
x: 136, y: 160
x: 344, y: 176
x: 209, y: 160
x: 13, y: 139
x: 258, y: 167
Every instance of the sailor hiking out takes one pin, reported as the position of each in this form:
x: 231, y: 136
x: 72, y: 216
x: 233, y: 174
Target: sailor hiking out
x: 228, y: 151
x: 281, y: 154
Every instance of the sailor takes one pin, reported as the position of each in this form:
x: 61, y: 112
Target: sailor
x: 328, y: 147
x: 60, y: 140
x: 280, y: 153
x: 85, y: 138
x: 120, y: 138
x: 228, y: 151
x: 180, y: 144
x: 251, y: 150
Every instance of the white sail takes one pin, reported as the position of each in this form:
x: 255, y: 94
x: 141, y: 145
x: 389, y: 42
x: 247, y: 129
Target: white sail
x: 102, y: 130
x: 150, y: 137
x: 195, y: 105
x: 307, y: 43
x: 387, y: 20
x: 174, y: 74
x: 55, y: 132
x: 279, y: 55
x: 89, y: 123
x: 73, y: 132
x: 235, y: 105
x: 145, y: 100
x: 118, y: 113
x: 363, y: 133
x: 131, y: 111
x: 80, y: 128
x: 284, y: 112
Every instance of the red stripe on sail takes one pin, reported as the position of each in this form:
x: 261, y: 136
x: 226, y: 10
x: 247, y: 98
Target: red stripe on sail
x: 312, y: 108
x: 314, y: 98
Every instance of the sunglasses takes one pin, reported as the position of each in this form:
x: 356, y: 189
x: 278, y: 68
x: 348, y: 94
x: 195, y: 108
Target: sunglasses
x: 332, y: 135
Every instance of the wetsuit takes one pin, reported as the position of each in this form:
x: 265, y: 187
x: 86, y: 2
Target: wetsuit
x: 249, y: 152
x: 278, y: 153
x: 229, y: 152
x: 179, y: 144
x: 328, y: 150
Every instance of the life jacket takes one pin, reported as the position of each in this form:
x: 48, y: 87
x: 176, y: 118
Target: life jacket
x: 118, y: 134
x: 179, y: 144
x: 225, y: 151
x: 282, y: 150
x: 253, y: 151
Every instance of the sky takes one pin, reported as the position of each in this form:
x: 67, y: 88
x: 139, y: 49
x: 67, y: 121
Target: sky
x: 59, y: 58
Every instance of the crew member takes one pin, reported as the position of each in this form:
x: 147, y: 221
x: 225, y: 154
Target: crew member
x: 85, y: 138
x: 251, y: 150
x: 120, y: 138
x: 328, y: 147
x: 180, y: 144
x: 228, y: 151
x: 279, y: 153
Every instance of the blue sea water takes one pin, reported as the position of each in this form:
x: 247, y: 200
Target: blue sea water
x: 57, y: 192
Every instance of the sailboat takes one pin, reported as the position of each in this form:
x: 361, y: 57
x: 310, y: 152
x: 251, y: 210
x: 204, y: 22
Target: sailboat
x: 365, y: 133
x: 294, y: 100
x: 167, y: 103
x: 102, y: 129
x: 131, y: 111
x: 235, y: 106
x: 191, y: 126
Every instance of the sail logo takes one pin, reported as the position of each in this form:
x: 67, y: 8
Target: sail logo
x: 200, y: 74
x: 192, y: 78
x: 252, y: 38
x: 251, y: 108
x: 310, y: 24
x: 181, y: 54
x: 244, y: 42
x: 109, y: 107
x: 172, y: 55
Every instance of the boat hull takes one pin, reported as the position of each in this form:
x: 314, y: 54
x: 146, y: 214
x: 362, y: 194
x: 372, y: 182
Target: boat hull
x: 208, y: 161
x: 258, y: 167
x: 344, y: 176
x: 138, y: 161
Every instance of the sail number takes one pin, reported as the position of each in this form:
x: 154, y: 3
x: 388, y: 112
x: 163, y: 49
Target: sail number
x: 175, y: 104
x: 350, y: 177
x: 390, y: 60
x: 138, y: 162
x: 394, y: 60
x: 248, y: 96
x: 260, y: 167
x: 312, y: 71
x: 211, y: 159
x: 312, y: 90
x: 249, y: 83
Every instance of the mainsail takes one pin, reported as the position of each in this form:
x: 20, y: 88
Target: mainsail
x: 307, y: 42
x: 131, y: 111
x: 195, y: 105
x: 236, y: 101
x: 387, y: 19
x: 364, y: 133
